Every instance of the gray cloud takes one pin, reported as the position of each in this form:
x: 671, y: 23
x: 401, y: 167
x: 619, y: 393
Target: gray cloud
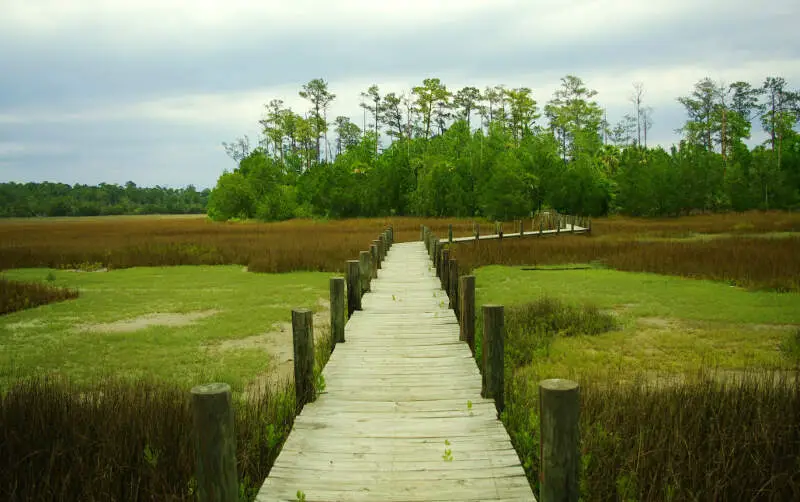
x: 146, y: 95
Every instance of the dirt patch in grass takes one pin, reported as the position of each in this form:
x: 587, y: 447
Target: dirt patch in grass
x: 22, y: 325
x: 278, y: 344
x: 142, y: 322
x: 657, y: 322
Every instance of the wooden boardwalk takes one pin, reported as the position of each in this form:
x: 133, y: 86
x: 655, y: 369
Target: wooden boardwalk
x: 401, y: 417
x: 568, y: 228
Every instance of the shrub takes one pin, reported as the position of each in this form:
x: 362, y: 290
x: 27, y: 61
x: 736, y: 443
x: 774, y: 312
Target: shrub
x: 16, y: 295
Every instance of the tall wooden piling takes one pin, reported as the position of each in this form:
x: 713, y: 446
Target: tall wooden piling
x: 353, y: 287
x: 559, y: 448
x: 337, y: 310
x: 493, y: 334
x: 215, y: 443
x: 364, y: 270
x: 467, y: 300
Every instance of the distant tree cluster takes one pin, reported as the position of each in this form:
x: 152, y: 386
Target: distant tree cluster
x: 496, y: 153
x: 59, y: 199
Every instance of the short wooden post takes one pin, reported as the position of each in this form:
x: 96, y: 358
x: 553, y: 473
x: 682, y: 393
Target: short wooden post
x: 303, y: 338
x: 450, y: 233
x: 477, y: 231
x: 377, y: 245
x: 436, y: 251
x: 452, y: 284
x: 559, y: 447
x: 382, y: 248
x: 391, y: 234
x: 337, y: 310
x: 353, y: 287
x: 364, y: 270
x: 373, y: 260
x: 493, y: 334
x: 422, y: 232
x: 467, y: 300
x: 215, y: 443
x: 521, y: 227
x: 590, y: 225
x: 444, y: 273
x: 558, y: 223
x: 499, y: 229
x: 541, y: 226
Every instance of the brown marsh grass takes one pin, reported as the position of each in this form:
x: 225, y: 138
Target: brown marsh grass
x: 15, y: 295
x: 744, y: 253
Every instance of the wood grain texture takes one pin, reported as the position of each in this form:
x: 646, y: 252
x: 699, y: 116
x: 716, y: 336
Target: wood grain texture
x: 401, y: 416
x: 215, y: 443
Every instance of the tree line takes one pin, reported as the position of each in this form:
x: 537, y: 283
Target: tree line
x: 497, y: 153
x: 59, y: 199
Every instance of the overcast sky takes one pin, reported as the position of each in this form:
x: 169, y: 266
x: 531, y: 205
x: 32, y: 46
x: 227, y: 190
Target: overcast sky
x: 146, y: 90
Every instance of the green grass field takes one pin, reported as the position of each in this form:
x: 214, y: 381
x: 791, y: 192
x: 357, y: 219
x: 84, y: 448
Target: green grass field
x: 668, y: 324
x: 181, y: 324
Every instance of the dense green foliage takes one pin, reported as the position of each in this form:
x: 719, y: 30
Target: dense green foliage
x: 59, y: 199
x: 440, y: 162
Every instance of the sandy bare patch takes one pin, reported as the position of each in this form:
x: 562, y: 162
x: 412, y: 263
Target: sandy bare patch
x: 657, y: 322
x: 20, y: 325
x: 278, y: 344
x: 726, y: 376
x: 159, y: 319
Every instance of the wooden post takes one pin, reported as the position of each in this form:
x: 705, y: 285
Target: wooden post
x: 391, y: 234
x: 477, y: 231
x: 364, y: 270
x: 521, y: 227
x: 450, y: 233
x: 444, y: 272
x: 499, y: 229
x: 541, y: 226
x: 373, y: 259
x: 436, y: 250
x: 353, y: 287
x: 590, y: 225
x: 382, y: 247
x: 493, y: 334
x: 558, y: 223
x: 422, y: 232
x: 453, y: 286
x: 559, y: 447
x: 215, y: 443
x: 303, y: 338
x: 337, y: 310
x: 467, y: 300
x: 377, y: 244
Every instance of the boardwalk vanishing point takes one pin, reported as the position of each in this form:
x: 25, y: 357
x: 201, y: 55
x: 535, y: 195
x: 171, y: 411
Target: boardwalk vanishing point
x: 401, y: 417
